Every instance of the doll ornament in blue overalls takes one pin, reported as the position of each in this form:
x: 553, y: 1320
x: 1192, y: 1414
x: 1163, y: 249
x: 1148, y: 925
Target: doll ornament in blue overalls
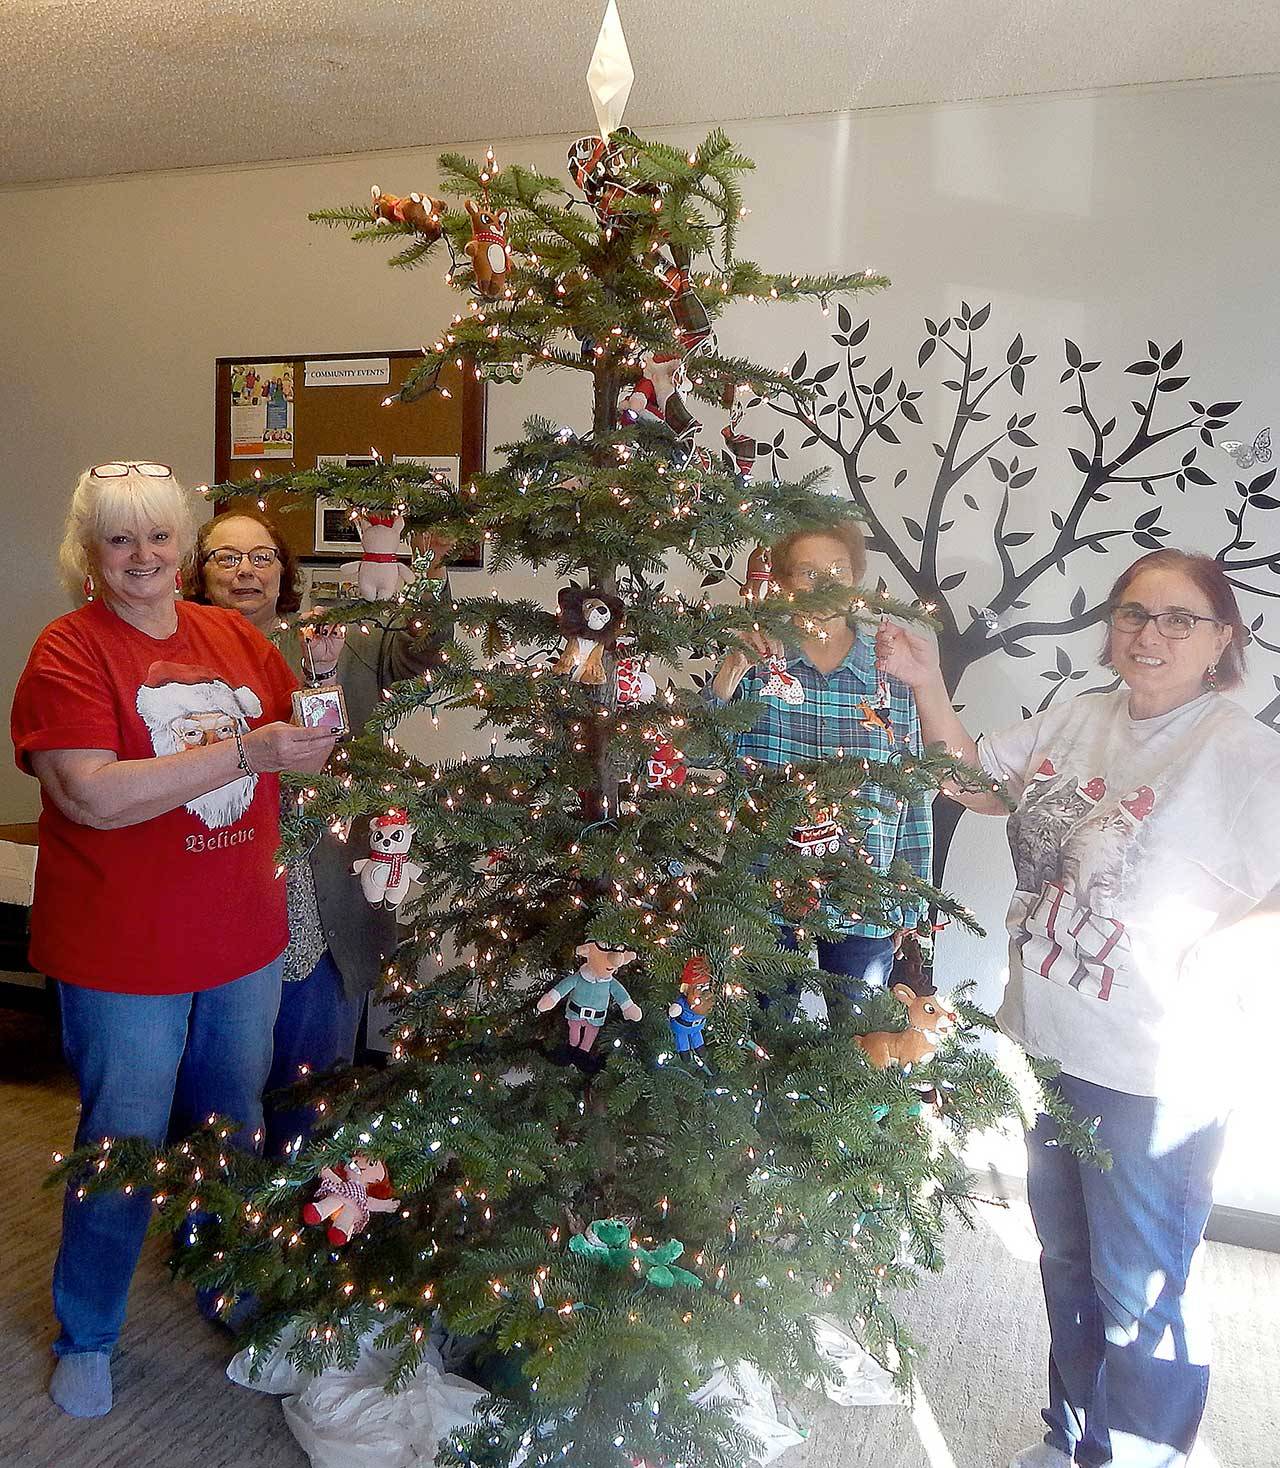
x: 688, y: 1014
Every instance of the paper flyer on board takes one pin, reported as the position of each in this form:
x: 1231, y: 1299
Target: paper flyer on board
x: 262, y: 410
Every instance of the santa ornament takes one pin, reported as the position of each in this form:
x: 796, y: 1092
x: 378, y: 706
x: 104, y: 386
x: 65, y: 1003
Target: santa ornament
x: 657, y: 397
x: 348, y: 1195
x: 386, y: 873
x: 665, y: 768
x: 184, y: 707
x: 379, y: 574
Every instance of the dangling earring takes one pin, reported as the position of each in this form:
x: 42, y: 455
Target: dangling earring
x: 1211, y: 676
x: 87, y: 588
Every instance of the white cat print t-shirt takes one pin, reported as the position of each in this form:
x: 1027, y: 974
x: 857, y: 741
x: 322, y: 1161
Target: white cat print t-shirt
x: 1133, y: 842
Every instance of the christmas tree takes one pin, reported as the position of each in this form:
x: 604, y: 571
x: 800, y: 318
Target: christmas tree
x: 611, y: 1219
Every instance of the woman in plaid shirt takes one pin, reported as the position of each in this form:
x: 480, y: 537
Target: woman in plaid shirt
x: 833, y: 662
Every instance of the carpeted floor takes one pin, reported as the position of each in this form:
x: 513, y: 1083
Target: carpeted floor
x: 979, y: 1392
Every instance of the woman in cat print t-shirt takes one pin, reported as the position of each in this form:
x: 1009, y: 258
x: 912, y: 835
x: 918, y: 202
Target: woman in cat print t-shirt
x: 156, y: 730
x: 1146, y: 851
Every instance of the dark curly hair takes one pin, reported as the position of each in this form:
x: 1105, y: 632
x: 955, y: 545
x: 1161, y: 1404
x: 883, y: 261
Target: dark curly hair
x: 193, y: 584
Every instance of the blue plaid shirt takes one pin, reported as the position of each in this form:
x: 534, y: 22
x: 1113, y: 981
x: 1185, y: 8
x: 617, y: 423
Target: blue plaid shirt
x: 830, y: 722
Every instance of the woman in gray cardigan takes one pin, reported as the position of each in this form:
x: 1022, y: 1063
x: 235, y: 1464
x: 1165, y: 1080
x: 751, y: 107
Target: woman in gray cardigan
x: 338, y: 943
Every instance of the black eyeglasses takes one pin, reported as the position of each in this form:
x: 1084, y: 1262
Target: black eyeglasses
x: 1176, y: 625
x: 260, y: 557
x: 115, y: 470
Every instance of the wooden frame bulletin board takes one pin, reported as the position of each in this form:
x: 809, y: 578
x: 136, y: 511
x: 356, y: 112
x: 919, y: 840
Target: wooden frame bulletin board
x: 349, y: 419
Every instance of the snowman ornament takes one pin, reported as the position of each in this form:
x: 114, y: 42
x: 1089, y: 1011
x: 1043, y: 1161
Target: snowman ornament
x: 379, y: 574
x: 386, y: 873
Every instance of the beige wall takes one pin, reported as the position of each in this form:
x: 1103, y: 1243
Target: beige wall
x: 1110, y: 219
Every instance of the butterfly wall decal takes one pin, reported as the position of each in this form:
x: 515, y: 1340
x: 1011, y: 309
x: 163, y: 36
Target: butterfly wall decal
x: 1247, y: 455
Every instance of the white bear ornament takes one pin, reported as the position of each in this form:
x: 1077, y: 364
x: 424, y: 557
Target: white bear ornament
x: 386, y: 873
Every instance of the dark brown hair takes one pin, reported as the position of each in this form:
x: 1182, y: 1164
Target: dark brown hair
x: 1210, y: 578
x: 290, y: 598
x: 847, y: 532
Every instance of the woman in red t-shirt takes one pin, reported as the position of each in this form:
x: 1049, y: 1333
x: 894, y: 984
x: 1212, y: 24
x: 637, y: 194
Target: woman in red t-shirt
x: 156, y: 729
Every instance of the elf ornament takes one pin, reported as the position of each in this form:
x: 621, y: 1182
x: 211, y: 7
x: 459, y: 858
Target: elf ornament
x: 347, y: 1195
x: 487, y: 249
x: 591, y: 621
x: 424, y: 215
x: 688, y: 1014
x: 386, y: 873
x: 379, y: 574
x: 589, y: 993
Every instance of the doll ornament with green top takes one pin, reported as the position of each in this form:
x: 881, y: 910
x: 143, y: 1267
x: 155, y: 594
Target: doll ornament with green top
x: 589, y: 993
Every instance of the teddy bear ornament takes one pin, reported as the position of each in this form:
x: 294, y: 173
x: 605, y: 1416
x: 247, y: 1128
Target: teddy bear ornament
x: 379, y: 573
x: 386, y: 873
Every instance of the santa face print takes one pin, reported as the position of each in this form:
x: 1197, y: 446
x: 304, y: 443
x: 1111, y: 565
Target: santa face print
x: 1163, y: 672
x: 247, y: 588
x: 138, y: 567
x: 185, y: 707
x: 193, y: 730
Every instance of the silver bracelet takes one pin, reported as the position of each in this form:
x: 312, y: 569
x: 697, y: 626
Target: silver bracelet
x: 242, y: 762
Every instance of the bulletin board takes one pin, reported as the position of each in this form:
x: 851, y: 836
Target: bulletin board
x: 350, y: 419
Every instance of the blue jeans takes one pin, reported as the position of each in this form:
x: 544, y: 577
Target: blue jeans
x: 126, y: 1051
x: 316, y: 1027
x: 1128, y: 1357
x: 860, y: 959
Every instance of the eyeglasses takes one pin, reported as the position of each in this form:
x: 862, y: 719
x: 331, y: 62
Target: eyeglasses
x: 260, y: 557
x: 1175, y: 625
x: 120, y: 471
x: 838, y: 570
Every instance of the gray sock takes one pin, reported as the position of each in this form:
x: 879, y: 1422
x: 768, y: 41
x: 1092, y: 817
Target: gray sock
x: 81, y: 1384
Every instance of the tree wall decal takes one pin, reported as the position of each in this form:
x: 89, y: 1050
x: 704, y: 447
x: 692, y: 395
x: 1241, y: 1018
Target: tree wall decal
x: 1114, y: 474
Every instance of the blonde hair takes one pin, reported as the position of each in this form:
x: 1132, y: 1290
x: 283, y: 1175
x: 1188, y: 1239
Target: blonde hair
x: 847, y: 532
x: 102, y: 507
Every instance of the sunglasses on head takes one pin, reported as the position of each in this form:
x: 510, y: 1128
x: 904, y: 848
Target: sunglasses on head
x: 115, y: 470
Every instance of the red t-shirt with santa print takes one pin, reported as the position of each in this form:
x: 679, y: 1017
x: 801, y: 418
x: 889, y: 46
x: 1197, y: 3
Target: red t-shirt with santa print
x: 186, y: 900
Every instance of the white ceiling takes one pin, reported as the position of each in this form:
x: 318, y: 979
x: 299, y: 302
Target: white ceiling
x: 97, y: 87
